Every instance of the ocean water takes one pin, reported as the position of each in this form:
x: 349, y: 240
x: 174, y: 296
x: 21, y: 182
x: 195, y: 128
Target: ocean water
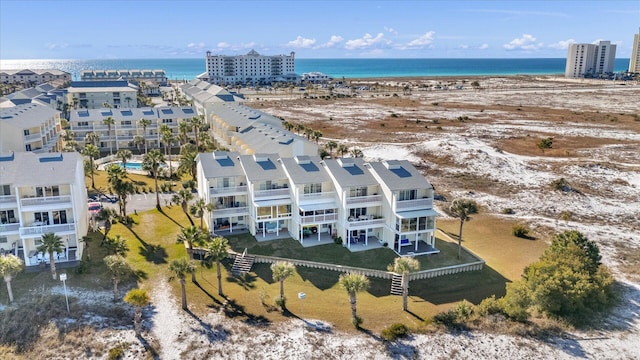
x: 187, y: 69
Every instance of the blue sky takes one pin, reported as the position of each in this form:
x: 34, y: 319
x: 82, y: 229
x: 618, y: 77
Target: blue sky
x: 94, y: 29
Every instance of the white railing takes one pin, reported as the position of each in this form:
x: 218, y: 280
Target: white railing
x: 45, y: 200
x: 313, y: 219
x: 356, y: 200
x: 316, y: 196
x: 7, y: 198
x: 426, y: 203
x: 365, y: 223
x: 234, y: 211
x: 278, y: 216
x: 9, y: 227
x: 448, y: 270
x: 31, y: 137
x: 271, y: 193
x: 44, y: 229
x: 227, y: 190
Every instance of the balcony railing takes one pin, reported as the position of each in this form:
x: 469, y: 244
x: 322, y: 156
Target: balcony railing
x: 426, y: 203
x: 363, y: 222
x: 7, y: 198
x: 278, y: 216
x: 32, y: 137
x: 316, y: 196
x: 45, y: 200
x: 314, y: 219
x: 358, y: 200
x: 227, y: 190
x: 271, y: 193
x: 9, y: 227
x: 44, y: 229
x: 233, y: 211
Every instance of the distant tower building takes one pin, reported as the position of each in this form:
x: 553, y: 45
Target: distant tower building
x: 251, y: 68
x: 590, y: 59
x: 634, y: 62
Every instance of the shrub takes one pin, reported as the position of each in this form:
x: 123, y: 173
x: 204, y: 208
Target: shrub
x: 394, y: 332
x: 281, y: 302
x: 338, y: 240
x: 116, y: 353
x: 434, y: 103
x: 508, y: 211
x: 490, y: 306
x: 463, y: 310
x: 356, y: 321
x: 447, y: 318
x: 545, y: 143
x: 83, y: 268
x: 561, y: 185
x: 520, y: 230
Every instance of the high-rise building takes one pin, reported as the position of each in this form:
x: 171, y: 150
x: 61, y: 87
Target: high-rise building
x: 590, y: 59
x: 251, y: 68
x: 634, y: 62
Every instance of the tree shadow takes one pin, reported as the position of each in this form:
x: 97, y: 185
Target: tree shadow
x: 155, y: 254
x: 379, y: 287
x: 169, y: 217
x: 213, y: 333
x: 263, y: 271
x: 218, y: 302
x: 246, y: 280
x: 527, y: 237
x: 232, y: 310
x: 151, y: 349
x: 321, y: 279
x: 418, y: 317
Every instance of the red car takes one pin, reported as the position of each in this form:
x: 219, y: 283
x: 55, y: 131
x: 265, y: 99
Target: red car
x: 94, y: 208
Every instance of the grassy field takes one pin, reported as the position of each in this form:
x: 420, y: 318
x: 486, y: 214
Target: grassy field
x: 152, y: 243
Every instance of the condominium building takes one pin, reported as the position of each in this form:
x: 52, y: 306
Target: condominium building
x: 126, y: 125
x: 590, y: 59
x: 149, y: 80
x: 251, y: 68
x: 95, y: 94
x: 40, y: 194
x: 315, y: 77
x: 29, y: 127
x: 365, y: 205
x: 634, y: 61
x: 33, y: 77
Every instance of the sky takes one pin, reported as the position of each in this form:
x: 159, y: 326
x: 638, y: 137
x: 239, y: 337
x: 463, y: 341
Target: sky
x: 93, y: 29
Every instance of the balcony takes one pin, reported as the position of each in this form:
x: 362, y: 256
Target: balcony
x: 9, y: 228
x: 316, y: 219
x: 363, y: 201
x: 404, y: 205
x: 230, y: 190
x: 35, y: 201
x: 363, y: 222
x: 283, y: 215
x: 317, y: 196
x: 44, y: 229
x: 261, y: 194
x: 33, y: 137
x: 232, y: 211
x: 7, y: 199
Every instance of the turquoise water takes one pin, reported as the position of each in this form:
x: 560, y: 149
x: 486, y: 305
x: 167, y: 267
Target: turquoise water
x: 187, y: 69
x: 132, y: 165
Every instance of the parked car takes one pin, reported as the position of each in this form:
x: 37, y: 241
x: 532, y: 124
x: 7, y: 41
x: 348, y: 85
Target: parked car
x: 94, y: 208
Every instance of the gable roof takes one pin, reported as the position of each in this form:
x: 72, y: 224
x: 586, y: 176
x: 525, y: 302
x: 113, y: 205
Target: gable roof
x: 399, y: 175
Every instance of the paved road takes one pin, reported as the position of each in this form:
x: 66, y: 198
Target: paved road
x: 141, y: 202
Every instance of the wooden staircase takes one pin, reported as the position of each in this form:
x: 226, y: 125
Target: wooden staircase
x: 396, y: 284
x: 242, y: 264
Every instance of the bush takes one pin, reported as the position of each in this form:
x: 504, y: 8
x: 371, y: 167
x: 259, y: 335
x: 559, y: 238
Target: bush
x: 520, y: 230
x: 447, y: 318
x: 338, y: 240
x: 83, y: 268
x: 463, y: 311
x: 356, y: 321
x: 545, y: 143
x: 281, y: 302
x: 508, y: 211
x: 394, y: 332
x: 490, y: 306
x: 116, y: 353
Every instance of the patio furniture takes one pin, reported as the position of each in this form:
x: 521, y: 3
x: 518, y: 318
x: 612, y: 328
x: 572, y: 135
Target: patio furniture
x: 307, y: 232
x: 271, y: 227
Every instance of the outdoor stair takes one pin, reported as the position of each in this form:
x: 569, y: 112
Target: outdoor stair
x: 72, y: 254
x: 396, y: 284
x: 242, y: 264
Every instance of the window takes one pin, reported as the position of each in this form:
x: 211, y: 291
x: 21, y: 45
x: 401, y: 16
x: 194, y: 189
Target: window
x: 312, y: 188
x: 60, y: 217
x: 167, y: 121
x: 27, y: 147
x: 26, y: 132
x: 42, y: 217
x: 5, y: 190
x: 355, y: 213
x: 7, y: 217
x: 125, y: 123
x: 42, y: 191
x: 407, y: 195
x: 3, y: 240
x: 358, y: 191
x: 83, y: 123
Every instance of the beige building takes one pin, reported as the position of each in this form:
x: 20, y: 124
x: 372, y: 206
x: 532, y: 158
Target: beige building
x: 95, y: 94
x: 634, y: 61
x: 250, y: 68
x: 586, y: 60
x: 40, y: 194
x: 29, y: 127
x: 33, y: 77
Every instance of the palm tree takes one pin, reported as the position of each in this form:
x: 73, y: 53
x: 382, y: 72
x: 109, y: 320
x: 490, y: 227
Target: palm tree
x: 188, y: 163
x: 124, y: 155
x: 116, y: 176
x: 115, y: 245
x: 199, y: 208
x: 331, y: 145
x: 342, y: 149
x: 404, y: 266
x: 92, y: 152
x: 179, y: 268
x: 152, y: 162
x: 356, y: 153
x: 139, y: 298
x: 118, y: 267
x: 217, y: 250
x: 280, y: 272
x: 167, y: 139
x: 183, y: 197
x: 462, y: 208
x: 184, y: 128
x: 316, y: 135
x: 51, y: 243
x: 197, y: 122
x: 308, y: 132
x: 144, y: 123
x: 299, y: 128
x: 137, y: 141
x: 92, y: 138
x: 192, y: 236
x: 107, y: 215
x: 109, y: 121
x: 353, y: 284
x: 10, y: 265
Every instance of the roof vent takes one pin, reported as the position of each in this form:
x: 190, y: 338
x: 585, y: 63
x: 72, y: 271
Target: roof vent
x: 219, y: 155
x: 303, y: 159
x: 346, y: 162
x: 392, y: 164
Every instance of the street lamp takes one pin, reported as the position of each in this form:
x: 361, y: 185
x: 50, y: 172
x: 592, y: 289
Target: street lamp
x: 302, y: 296
x: 63, y: 278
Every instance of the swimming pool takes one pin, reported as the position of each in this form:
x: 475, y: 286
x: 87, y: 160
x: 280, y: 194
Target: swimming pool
x: 131, y: 165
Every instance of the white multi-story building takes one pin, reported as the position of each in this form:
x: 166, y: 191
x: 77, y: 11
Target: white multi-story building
x: 126, y: 125
x: 33, y: 77
x: 590, y: 59
x: 40, y: 194
x: 29, y: 127
x: 315, y: 77
x: 634, y: 61
x: 149, y: 80
x: 95, y: 94
x: 251, y: 68
x: 365, y: 205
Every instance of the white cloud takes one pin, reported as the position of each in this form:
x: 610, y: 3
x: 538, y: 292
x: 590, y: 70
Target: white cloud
x: 562, y: 44
x: 249, y: 45
x: 526, y: 42
x: 194, y: 46
x: 418, y: 43
x: 366, y: 41
x: 301, y: 42
x: 335, y: 40
x: 53, y: 46
x: 223, y: 45
x: 391, y: 30
x: 483, y: 46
